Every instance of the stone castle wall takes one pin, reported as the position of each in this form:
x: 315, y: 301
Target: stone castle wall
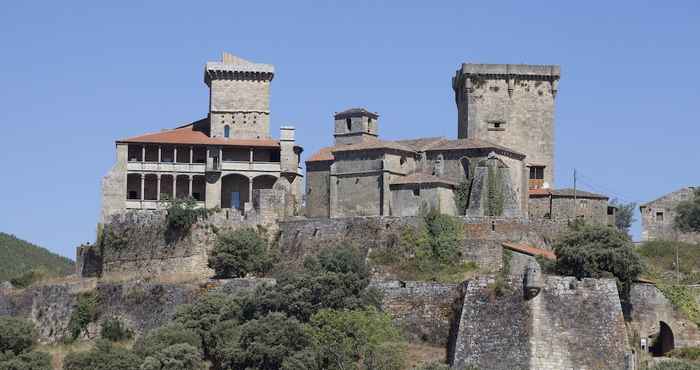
x: 140, y: 305
x: 570, y: 324
x: 425, y: 311
x: 650, y: 307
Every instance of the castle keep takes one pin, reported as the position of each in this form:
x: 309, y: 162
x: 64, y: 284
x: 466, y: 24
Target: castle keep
x: 226, y: 160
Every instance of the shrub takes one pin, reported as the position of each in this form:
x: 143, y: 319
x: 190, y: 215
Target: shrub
x: 674, y: 365
x: 28, y: 361
x: 84, y: 312
x: 598, y: 251
x: 265, y: 343
x: 342, y: 338
x: 114, y: 330
x: 29, y: 277
x: 158, y: 340
x: 16, y: 335
x: 683, y: 299
x: 462, y: 197
x: 688, y: 353
x: 180, y: 356
x: 104, y: 356
x: 182, y: 214
x: 238, y: 253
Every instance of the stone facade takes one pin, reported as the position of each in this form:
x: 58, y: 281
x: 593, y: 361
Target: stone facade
x: 568, y: 324
x: 658, y: 216
x: 220, y: 160
x: 511, y: 105
x: 362, y: 175
x: 567, y: 204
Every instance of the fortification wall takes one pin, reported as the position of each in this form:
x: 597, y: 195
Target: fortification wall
x: 650, y: 307
x: 140, y: 305
x: 424, y: 311
x: 302, y: 237
x: 570, y: 324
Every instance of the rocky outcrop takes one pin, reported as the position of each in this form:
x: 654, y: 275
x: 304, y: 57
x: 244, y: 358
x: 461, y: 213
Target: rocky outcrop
x: 140, y: 305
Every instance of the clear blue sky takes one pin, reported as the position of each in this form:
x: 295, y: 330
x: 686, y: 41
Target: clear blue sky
x: 76, y: 76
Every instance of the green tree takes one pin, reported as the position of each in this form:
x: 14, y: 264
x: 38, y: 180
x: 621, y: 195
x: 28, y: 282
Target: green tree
x: 598, y: 251
x: 688, y: 214
x: 181, y: 356
x: 156, y: 341
x: 624, y: 216
x: 238, y: 253
x: 265, y: 343
x: 114, y: 330
x: 27, y: 361
x: 16, y: 335
x: 344, y: 338
x: 182, y: 214
x: 104, y: 356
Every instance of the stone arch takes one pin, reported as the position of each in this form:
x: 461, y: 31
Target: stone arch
x: 264, y: 182
x: 663, y: 342
x: 234, y: 191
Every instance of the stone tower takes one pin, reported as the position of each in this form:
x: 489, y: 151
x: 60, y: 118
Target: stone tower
x: 355, y: 125
x: 511, y: 105
x: 239, y: 98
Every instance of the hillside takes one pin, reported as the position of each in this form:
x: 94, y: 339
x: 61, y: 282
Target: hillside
x: 18, y: 256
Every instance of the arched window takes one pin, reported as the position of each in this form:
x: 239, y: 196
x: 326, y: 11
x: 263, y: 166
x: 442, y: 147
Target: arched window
x: 227, y: 131
x: 348, y: 124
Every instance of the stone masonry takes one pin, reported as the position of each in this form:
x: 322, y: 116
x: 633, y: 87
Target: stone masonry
x: 511, y: 105
x: 658, y: 216
x: 569, y: 324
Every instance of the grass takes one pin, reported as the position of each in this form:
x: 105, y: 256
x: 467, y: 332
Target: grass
x: 59, y: 351
x: 417, y: 354
x: 660, y: 262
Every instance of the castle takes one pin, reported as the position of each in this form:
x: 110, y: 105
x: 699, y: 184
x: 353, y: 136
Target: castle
x: 226, y: 160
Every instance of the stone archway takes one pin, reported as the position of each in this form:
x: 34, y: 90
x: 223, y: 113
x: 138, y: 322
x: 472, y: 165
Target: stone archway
x: 264, y: 182
x: 663, y: 342
x: 234, y: 191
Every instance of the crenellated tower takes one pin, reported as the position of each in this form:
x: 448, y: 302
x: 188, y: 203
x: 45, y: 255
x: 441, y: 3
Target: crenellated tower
x: 239, y: 98
x: 511, y: 105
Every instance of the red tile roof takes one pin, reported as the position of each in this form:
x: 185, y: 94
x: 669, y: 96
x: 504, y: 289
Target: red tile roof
x: 530, y: 250
x: 323, y: 154
x: 191, y: 135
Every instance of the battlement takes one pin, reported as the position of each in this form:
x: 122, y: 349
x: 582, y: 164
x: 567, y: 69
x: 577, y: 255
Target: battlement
x: 232, y: 67
x: 520, y: 71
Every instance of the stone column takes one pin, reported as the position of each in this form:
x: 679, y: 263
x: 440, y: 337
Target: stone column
x: 175, y: 155
x: 160, y: 158
x: 143, y: 153
x: 250, y: 190
x: 174, y: 186
x: 143, y: 186
x: 191, y: 154
x: 158, y: 187
x: 251, y: 156
x: 189, y: 189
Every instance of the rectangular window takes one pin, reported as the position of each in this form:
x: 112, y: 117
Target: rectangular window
x: 536, y: 172
x: 659, y: 216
